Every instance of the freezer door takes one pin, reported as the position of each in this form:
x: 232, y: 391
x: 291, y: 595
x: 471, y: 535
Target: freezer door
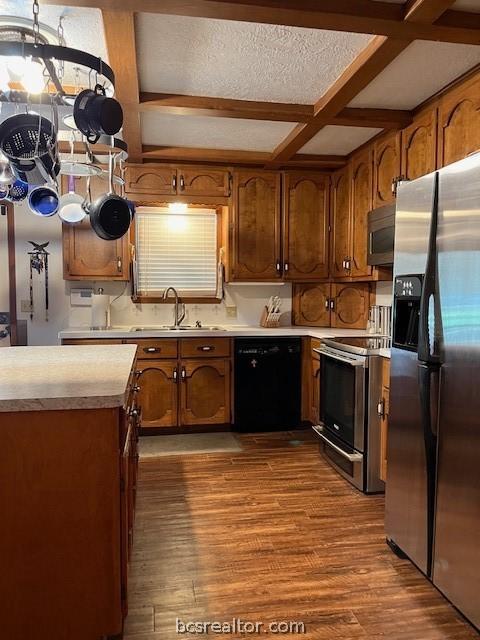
x: 406, y: 516
x: 456, y: 568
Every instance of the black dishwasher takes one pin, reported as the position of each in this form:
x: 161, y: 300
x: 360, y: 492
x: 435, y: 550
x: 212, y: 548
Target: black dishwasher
x: 267, y: 383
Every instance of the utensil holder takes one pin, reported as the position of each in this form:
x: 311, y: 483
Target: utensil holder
x: 270, y: 320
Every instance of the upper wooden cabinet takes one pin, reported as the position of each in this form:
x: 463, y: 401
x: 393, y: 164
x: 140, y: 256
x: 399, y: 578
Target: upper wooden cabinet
x: 256, y: 249
x: 88, y: 257
x: 311, y: 304
x: 386, y: 167
x: 459, y: 122
x: 342, y: 306
x: 419, y: 145
x: 170, y: 180
x: 305, y: 226
x: 361, y: 195
x: 340, y: 220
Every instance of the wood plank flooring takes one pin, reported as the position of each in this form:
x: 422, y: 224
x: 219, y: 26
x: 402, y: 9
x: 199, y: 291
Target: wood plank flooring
x: 272, y: 533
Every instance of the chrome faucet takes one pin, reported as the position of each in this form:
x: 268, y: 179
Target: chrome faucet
x: 178, y: 318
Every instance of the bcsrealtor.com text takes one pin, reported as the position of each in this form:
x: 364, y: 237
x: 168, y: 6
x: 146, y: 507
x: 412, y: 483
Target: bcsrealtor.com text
x: 237, y: 625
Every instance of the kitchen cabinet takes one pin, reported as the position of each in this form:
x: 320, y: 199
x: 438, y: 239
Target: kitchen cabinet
x: 158, y: 395
x: 338, y: 305
x: 361, y: 204
x: 305, y: 226
x: 88, y: 257
x: 256, y: 248
x: 459, y: 122
x: 340, y: 220
x: 384, y: 407
x: 171, y: 180
x: 419, y: 145
x: 315, y: 383
x: 386, y: 167
x: 205, y: 391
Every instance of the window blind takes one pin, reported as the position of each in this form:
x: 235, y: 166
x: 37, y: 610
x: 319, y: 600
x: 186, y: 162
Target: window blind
x: 177, y: 250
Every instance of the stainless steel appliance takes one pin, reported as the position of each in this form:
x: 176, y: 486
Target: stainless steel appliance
x: 350, y: 390
x: 433, y: 485
x: 381, y: 235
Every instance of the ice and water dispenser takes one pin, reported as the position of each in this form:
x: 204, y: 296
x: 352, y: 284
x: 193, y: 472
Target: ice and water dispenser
x: 407, y: 294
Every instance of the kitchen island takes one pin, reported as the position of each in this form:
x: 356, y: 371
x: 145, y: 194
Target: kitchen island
x: 68, y: 429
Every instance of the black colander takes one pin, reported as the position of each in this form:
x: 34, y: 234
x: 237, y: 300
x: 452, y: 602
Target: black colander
x: 29, y: 142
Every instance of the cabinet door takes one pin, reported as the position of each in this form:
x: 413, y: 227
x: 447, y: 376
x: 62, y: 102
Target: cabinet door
x: 459, y: 123
x: 305, y: 226
x: 351, y: 305
x: 256, y: 226
x: 419, y: 145
x: 340, y: 221
x: 361, y: 194
x: 205, y: 391
x: 311, y: 305
x: 151, y: 179
x: 158, y: 382
x: 199, y: 181
x: 386, y: 165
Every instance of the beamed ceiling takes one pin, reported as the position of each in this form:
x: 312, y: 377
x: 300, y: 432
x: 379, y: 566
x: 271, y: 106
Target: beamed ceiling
x: 275, y: 82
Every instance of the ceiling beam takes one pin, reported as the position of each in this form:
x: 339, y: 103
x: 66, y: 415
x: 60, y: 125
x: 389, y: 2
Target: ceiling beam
x: 373, y: 118
x: 374, y: 58
x: 358, y: 16
x: 235, y: 156
x: 119, y: 30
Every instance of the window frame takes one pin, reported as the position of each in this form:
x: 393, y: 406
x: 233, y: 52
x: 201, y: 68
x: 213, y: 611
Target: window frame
x: 142, y: 299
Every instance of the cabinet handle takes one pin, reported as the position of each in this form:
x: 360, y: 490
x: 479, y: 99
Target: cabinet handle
x: 119, y: 264
x: 182, y: 183
x: 278, y: 266
x: 332, y: 304
x: 183, y: 374
x: 327, y: 303
x: 136, y: 388
x: 285, y: 266
x: 138, y: 372
x: 381, y: 408
x: 174, y: 182
x: 348, y: 263
x: 152, y: 349
x: 175, y: 375
x: 206, y: 348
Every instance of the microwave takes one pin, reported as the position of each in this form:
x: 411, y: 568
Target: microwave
x: 381, y: 235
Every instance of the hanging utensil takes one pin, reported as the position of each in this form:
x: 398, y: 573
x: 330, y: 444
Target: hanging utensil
x: 39, y: 262
x: 110, y: 214
x: 71, y: 208
x: 6, y: 174
x: 43, y: 201
x: 96, y: 114
x: 18, y: 191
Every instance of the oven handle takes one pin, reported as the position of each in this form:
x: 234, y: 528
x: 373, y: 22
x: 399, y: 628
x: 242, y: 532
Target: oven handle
x: 335, y: 356
x: 351, y: 457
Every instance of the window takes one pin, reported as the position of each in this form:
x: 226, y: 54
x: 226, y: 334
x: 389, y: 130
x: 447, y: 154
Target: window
x: 176, y: 250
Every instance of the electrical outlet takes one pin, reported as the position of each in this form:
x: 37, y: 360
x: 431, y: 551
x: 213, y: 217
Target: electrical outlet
x: 25, y: 306
x: 231, y: 312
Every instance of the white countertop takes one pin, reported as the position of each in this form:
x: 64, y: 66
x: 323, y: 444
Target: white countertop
x: 67, y: 377
x: 385, y: 353
x: 227, y: 330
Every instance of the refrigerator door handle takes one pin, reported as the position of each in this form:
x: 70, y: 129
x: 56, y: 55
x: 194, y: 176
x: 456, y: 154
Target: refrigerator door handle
x: 428, y: 344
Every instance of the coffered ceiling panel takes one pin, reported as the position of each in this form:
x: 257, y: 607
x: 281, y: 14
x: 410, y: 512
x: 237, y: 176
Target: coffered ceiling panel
x: 418, y: 73
x: 241, y: 60
x: 333, y: 140
x: 467, y: 5
x: 212, y: 133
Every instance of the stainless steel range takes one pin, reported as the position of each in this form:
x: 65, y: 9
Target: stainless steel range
x: 350, y: 392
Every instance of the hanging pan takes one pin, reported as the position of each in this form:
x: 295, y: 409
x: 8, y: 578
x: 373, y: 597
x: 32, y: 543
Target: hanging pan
x: 29, y: 142
x: 70, y: 207
x: 96, y: 114
x: 43, y: 201
x: 110, y: 214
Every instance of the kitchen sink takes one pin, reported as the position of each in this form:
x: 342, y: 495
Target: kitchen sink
x: 183, y: 327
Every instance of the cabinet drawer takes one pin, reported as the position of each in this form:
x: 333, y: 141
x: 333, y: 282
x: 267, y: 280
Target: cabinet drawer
x: 198, y: 347
x: 86, y: 341
x: 148, y: 348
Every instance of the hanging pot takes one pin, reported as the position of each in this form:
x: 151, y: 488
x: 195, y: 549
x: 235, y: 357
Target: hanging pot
x: 6, y: 174
x: 110, y: 214
x: 29, y: 143
x: 95, y: 114
x: 70, y: 208
x: 43, y: 201
x: 3, y: 192
x: 18, y: 191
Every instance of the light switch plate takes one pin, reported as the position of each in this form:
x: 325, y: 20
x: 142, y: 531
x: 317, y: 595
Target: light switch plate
x: 231, y: 312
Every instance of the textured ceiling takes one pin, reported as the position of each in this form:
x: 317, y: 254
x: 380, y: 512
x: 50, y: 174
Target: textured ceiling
x: 416, y: 74
x: 212, y: 133
x: 338, y: 140
x: 467, y: 5
x: 240, y: 60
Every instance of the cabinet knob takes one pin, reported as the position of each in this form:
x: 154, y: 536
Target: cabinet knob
x: 136, y: 388
x: 174, y: 182
x: 332, y: 304
x: 285, y: 266
x: 278, y: 266
x: 327, y: 303
x: 206, y: 348
x: 175, y: 375
x: 119, y: 264
x: 184, y: 374
x: 381, y: 408
x: 152, y: 349
x: 182, y: 183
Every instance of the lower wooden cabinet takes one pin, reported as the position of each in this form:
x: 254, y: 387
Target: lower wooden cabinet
x: 385, y: 407
x: 205, y: 391
x: 315, y: 382
x: 158, y: 395
x: 343, y: 306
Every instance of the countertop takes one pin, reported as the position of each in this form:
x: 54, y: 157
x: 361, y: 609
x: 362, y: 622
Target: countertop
x: 67, y: 377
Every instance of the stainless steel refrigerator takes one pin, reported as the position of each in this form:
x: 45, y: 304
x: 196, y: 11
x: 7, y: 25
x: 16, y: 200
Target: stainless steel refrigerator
x: 433, y: 483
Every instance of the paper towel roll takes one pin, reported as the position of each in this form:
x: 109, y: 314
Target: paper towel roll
x: 100, y: 304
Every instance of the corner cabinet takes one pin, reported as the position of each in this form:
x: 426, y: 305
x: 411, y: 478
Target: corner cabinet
x: 305, y: 226
x: 88, y: 257
x: 255, y: 242
x: 341, y: 306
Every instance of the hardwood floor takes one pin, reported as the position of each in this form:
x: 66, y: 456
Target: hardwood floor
x: 272, y: 533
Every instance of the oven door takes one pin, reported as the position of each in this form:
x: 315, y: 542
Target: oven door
x: 344, y: 459
x: 342, y: 396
